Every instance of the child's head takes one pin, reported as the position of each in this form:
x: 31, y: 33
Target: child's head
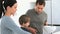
x: 24, y: 20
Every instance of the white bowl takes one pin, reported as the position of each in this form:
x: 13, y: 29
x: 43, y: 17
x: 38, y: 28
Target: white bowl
x: 49, y: 29
x: 57, y: 32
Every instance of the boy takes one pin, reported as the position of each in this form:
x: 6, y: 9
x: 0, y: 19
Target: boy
x: 24, y: 21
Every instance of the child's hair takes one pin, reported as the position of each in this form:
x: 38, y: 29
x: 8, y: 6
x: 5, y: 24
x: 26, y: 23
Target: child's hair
x: 24, y: 19
x: 3, y: 6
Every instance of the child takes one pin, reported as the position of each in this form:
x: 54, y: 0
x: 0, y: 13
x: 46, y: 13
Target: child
x: 24, y: 21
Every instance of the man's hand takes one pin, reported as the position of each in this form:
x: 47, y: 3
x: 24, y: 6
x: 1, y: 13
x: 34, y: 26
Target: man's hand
x: 32, y: 30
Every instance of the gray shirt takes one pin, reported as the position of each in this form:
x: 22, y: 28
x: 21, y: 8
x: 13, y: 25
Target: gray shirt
x: 9, y: 27
x: 37, y: 20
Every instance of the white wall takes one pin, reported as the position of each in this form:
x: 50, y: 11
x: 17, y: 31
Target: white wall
x: 56, y: 11
x: 48, y: 10
x: 23, y: 6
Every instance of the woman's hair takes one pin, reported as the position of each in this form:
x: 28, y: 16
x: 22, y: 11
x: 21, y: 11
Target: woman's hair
x: 3, y: 6
x: 24, y: 19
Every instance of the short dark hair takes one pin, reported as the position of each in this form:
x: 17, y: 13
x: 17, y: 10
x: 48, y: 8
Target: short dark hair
x: 23, y: 19
x: 40, y: 2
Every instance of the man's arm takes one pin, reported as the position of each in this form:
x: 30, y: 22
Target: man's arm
x: 46, y: 23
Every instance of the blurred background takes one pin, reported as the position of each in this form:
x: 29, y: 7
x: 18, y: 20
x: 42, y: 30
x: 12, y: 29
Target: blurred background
x: 52, y: 9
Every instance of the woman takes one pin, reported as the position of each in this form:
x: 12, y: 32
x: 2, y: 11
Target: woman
x: 7, y: 24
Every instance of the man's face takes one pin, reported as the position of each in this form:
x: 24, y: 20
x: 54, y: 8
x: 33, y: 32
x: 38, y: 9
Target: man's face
x: 39, y: 8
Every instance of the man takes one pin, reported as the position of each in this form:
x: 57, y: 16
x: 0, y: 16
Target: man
x: 38, y: 16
